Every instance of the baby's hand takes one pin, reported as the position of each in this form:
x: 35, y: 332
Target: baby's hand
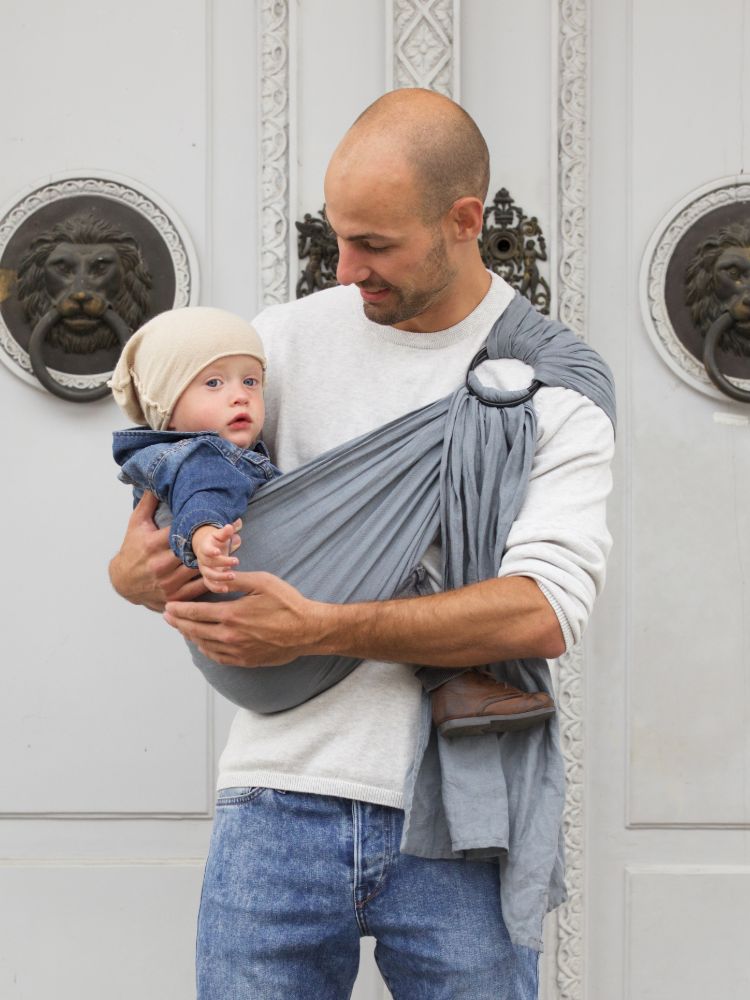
x: 213, y: 547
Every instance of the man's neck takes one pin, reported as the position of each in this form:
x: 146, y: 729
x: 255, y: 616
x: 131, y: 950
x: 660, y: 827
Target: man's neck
x: 456, y: 302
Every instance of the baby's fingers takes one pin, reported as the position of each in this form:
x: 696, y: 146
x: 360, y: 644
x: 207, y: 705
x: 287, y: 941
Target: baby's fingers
x: 216, y: 579
x: 225, y: 534
x: 216, y: 559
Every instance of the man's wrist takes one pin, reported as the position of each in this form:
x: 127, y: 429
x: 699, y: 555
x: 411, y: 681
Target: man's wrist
x: 341, y: 629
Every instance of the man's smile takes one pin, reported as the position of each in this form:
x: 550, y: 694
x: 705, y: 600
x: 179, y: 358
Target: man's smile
x: 373, y: 295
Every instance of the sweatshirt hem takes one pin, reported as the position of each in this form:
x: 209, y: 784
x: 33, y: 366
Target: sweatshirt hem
x: 313, y: 786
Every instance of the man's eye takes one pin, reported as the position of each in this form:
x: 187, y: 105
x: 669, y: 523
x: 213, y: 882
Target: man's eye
x: 251, y: 382
x: 371, y: 249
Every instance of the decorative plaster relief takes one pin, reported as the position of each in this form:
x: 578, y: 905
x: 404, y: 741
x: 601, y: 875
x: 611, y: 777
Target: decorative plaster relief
x: 424, y: 52
x: 572, y: 41
x: 274, y: 136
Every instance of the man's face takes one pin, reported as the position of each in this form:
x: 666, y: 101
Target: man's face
x: 400, y: 264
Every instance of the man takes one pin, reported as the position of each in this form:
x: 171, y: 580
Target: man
x: 305, y: 852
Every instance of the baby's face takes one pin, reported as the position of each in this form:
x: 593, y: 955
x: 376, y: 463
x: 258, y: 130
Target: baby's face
x: 226, y: 397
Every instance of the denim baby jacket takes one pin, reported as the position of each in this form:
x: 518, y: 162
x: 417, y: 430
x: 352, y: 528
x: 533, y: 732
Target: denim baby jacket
x: 201, y: 477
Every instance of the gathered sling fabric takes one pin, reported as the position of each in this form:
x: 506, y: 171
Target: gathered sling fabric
x: 353, y: 525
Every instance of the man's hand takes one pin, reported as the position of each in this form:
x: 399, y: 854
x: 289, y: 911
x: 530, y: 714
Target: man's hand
x: 272, y: 624
x: 145, y: 571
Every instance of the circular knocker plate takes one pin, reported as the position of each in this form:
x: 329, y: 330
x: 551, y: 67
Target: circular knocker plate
x: 695, y: 289
x: 84, y: 261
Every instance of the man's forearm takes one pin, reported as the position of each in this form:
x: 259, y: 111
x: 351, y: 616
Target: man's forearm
x: 494, y: 620
x: 273, y: 623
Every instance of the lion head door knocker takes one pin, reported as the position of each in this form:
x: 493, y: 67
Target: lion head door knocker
x: 718, y: 293
x: 695, y: 287
x: 83, y: 287
x: 83, y: 263
x: 511, y: 244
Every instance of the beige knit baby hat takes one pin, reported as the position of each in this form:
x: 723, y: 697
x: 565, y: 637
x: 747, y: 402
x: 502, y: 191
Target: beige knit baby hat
x: 163, y: 357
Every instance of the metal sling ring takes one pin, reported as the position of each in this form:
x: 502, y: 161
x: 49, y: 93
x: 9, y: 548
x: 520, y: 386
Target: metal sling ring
x: 478, y: 358
x: 715, y: 332
x: 39, y: 367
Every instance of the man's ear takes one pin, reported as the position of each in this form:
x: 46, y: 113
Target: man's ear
x: 465, y: 217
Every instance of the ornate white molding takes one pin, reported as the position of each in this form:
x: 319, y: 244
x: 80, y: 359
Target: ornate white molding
x: 570, y: 915
x: 653, y: 279
x: 573, y: 161
x: 573, y: 18
x: 422, y: 45
x: 274, y: 136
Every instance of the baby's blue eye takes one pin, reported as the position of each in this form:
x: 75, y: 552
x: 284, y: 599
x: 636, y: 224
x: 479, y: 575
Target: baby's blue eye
x: 250, y: 381
x: 213, y: 383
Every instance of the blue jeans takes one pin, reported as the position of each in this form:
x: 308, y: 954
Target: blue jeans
x: 294, y: 880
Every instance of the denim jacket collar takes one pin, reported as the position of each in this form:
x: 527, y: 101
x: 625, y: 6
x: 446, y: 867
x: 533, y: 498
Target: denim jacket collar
x: 145, y: 436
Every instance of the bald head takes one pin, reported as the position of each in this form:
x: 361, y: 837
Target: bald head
x: 430, y: 135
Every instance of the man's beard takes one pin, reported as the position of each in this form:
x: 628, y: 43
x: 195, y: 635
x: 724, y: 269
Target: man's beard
x: 405, y: 302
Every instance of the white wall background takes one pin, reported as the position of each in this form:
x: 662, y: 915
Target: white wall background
x: 109, y: 738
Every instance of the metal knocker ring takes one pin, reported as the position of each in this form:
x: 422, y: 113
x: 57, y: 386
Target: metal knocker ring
x: 716, y: 331
x: 482, y: 356
x: 36, y: 355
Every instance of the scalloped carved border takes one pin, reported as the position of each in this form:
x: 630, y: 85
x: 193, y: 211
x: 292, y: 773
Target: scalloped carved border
x: 274, y: 139
x: 573, y: 48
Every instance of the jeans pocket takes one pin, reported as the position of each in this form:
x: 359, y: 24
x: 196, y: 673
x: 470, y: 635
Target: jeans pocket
x: 238, y: 796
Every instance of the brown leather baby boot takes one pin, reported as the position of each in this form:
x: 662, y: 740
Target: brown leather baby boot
x: 475, y: 703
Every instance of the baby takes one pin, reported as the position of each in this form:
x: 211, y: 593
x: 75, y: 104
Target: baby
x: 193, y: 380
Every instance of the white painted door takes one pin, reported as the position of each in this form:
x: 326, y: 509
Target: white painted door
x: 668, y: 700
x: 107, y: 737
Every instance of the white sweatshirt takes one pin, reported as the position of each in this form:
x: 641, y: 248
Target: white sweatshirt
x: 333, y: 375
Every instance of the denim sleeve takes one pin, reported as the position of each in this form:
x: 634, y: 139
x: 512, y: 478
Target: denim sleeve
x: 135, y: 472
x: 205, y: 488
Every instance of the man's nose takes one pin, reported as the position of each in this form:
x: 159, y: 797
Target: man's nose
x: 351, y: 268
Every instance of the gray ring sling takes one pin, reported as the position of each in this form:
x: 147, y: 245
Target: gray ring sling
x: 353, y: 524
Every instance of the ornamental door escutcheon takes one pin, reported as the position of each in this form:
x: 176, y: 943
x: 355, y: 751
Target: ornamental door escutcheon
x: 512, y: 245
